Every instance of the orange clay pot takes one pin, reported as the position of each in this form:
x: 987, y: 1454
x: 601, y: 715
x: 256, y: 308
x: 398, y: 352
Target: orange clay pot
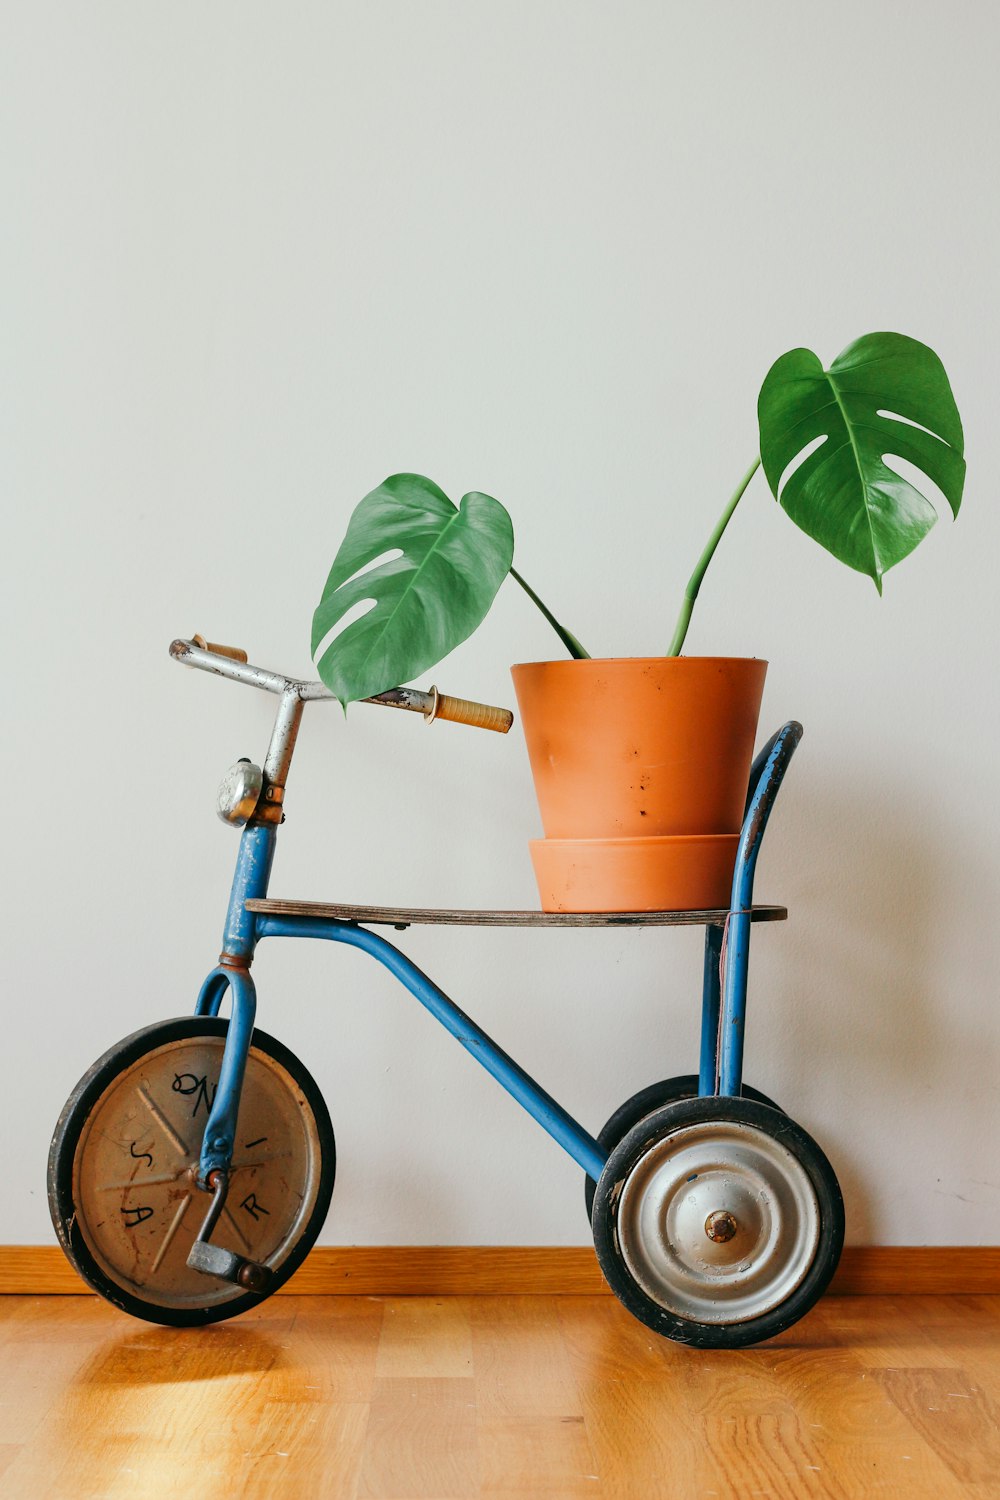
x: 646, y: 749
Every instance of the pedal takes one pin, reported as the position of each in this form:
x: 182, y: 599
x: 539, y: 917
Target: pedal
x: 212, y: 1260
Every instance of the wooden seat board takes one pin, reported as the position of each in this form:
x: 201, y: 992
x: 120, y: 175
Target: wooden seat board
x: 406, y: 916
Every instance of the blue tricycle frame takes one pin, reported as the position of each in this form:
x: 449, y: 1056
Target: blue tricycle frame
x: 724, y: 991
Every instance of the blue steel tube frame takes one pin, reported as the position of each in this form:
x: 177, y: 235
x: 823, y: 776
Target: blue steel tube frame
x: 724, y: 997
x: 244, y: 930
x: 708, y: 1069
x: 723, y: 1002
x: 560, y: 1125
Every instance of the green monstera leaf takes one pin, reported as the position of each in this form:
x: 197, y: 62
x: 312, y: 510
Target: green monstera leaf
x: 424, y: 602
x: 885, y: 394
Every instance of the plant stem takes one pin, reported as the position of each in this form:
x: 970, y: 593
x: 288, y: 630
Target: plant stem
x: 694, y: 582
x: 568, y: 639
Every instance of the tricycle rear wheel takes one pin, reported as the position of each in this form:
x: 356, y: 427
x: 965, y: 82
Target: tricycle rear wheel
x: 718, y: 1222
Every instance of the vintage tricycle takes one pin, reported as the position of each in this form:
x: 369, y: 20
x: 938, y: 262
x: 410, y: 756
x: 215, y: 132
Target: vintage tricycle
x: 192, y: 1167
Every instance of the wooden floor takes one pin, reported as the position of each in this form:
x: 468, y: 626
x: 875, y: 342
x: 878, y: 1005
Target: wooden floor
x: 319, y: 1398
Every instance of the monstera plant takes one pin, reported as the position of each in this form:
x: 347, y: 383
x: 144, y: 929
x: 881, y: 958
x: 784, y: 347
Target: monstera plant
x: 641, y: 764
x: 420, y: 573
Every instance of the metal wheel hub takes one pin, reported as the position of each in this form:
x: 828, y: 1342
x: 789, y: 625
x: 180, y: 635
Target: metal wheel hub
x: 718, y: 1222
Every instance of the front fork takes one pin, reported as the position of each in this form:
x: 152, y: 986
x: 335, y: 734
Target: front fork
x: 220, y: 1131
x: 253, y: 868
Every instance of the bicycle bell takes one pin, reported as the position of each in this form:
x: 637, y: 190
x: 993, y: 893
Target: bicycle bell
x: 240, y: 792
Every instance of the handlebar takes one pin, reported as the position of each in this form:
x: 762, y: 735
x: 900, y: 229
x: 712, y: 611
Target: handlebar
x: 231, y: 662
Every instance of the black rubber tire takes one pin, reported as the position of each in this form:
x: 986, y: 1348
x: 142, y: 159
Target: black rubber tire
x: 628, y: 1115
x: 62, y: 1156
x: 629, y: 1152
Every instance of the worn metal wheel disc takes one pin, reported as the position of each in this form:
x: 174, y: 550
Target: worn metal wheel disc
x: 718, y: 1222
x: 135, y: 1163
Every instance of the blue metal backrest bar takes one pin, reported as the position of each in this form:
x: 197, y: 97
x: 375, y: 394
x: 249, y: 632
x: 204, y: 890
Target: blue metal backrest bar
x: 765, y: 779
x: 789, y: 734
x: 766, y: 775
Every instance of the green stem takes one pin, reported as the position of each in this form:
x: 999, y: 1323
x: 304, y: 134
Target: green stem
x: 568, y: 639
x: 694, y: 582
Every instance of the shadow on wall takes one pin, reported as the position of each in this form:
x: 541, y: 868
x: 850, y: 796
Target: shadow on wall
x: 864, y: 1023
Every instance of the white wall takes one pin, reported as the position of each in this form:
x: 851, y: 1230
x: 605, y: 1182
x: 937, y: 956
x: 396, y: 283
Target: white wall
x: 257, y: 257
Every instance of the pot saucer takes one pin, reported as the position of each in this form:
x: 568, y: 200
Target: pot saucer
x: 683, y: 872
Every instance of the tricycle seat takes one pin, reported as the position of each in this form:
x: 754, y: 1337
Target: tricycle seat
x: 405, y: 916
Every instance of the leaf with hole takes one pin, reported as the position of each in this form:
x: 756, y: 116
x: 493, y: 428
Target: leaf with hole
x: 886, y: 394
x: 425, y: 601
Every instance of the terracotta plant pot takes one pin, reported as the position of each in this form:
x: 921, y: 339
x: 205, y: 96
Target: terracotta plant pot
x: 652, y: 752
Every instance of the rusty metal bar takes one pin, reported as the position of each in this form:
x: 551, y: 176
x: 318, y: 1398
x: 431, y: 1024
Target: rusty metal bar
x: 224, y: 666
x: 410, y: 699
x: 283, y: 737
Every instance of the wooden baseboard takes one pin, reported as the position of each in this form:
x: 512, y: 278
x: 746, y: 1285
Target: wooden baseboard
x: 484, y: 1270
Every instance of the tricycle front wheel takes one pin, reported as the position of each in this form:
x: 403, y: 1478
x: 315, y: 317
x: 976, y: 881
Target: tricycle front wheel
x: 123, y: 1169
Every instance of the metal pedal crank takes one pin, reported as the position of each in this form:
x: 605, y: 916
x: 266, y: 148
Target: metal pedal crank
x: 213, y: 1260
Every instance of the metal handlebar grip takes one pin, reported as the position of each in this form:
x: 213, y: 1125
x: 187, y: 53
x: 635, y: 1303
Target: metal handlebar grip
x: 235, y: 653
x: 463, y: 711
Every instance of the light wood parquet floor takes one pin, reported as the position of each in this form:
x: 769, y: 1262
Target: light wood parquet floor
x: 449, y: 1398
